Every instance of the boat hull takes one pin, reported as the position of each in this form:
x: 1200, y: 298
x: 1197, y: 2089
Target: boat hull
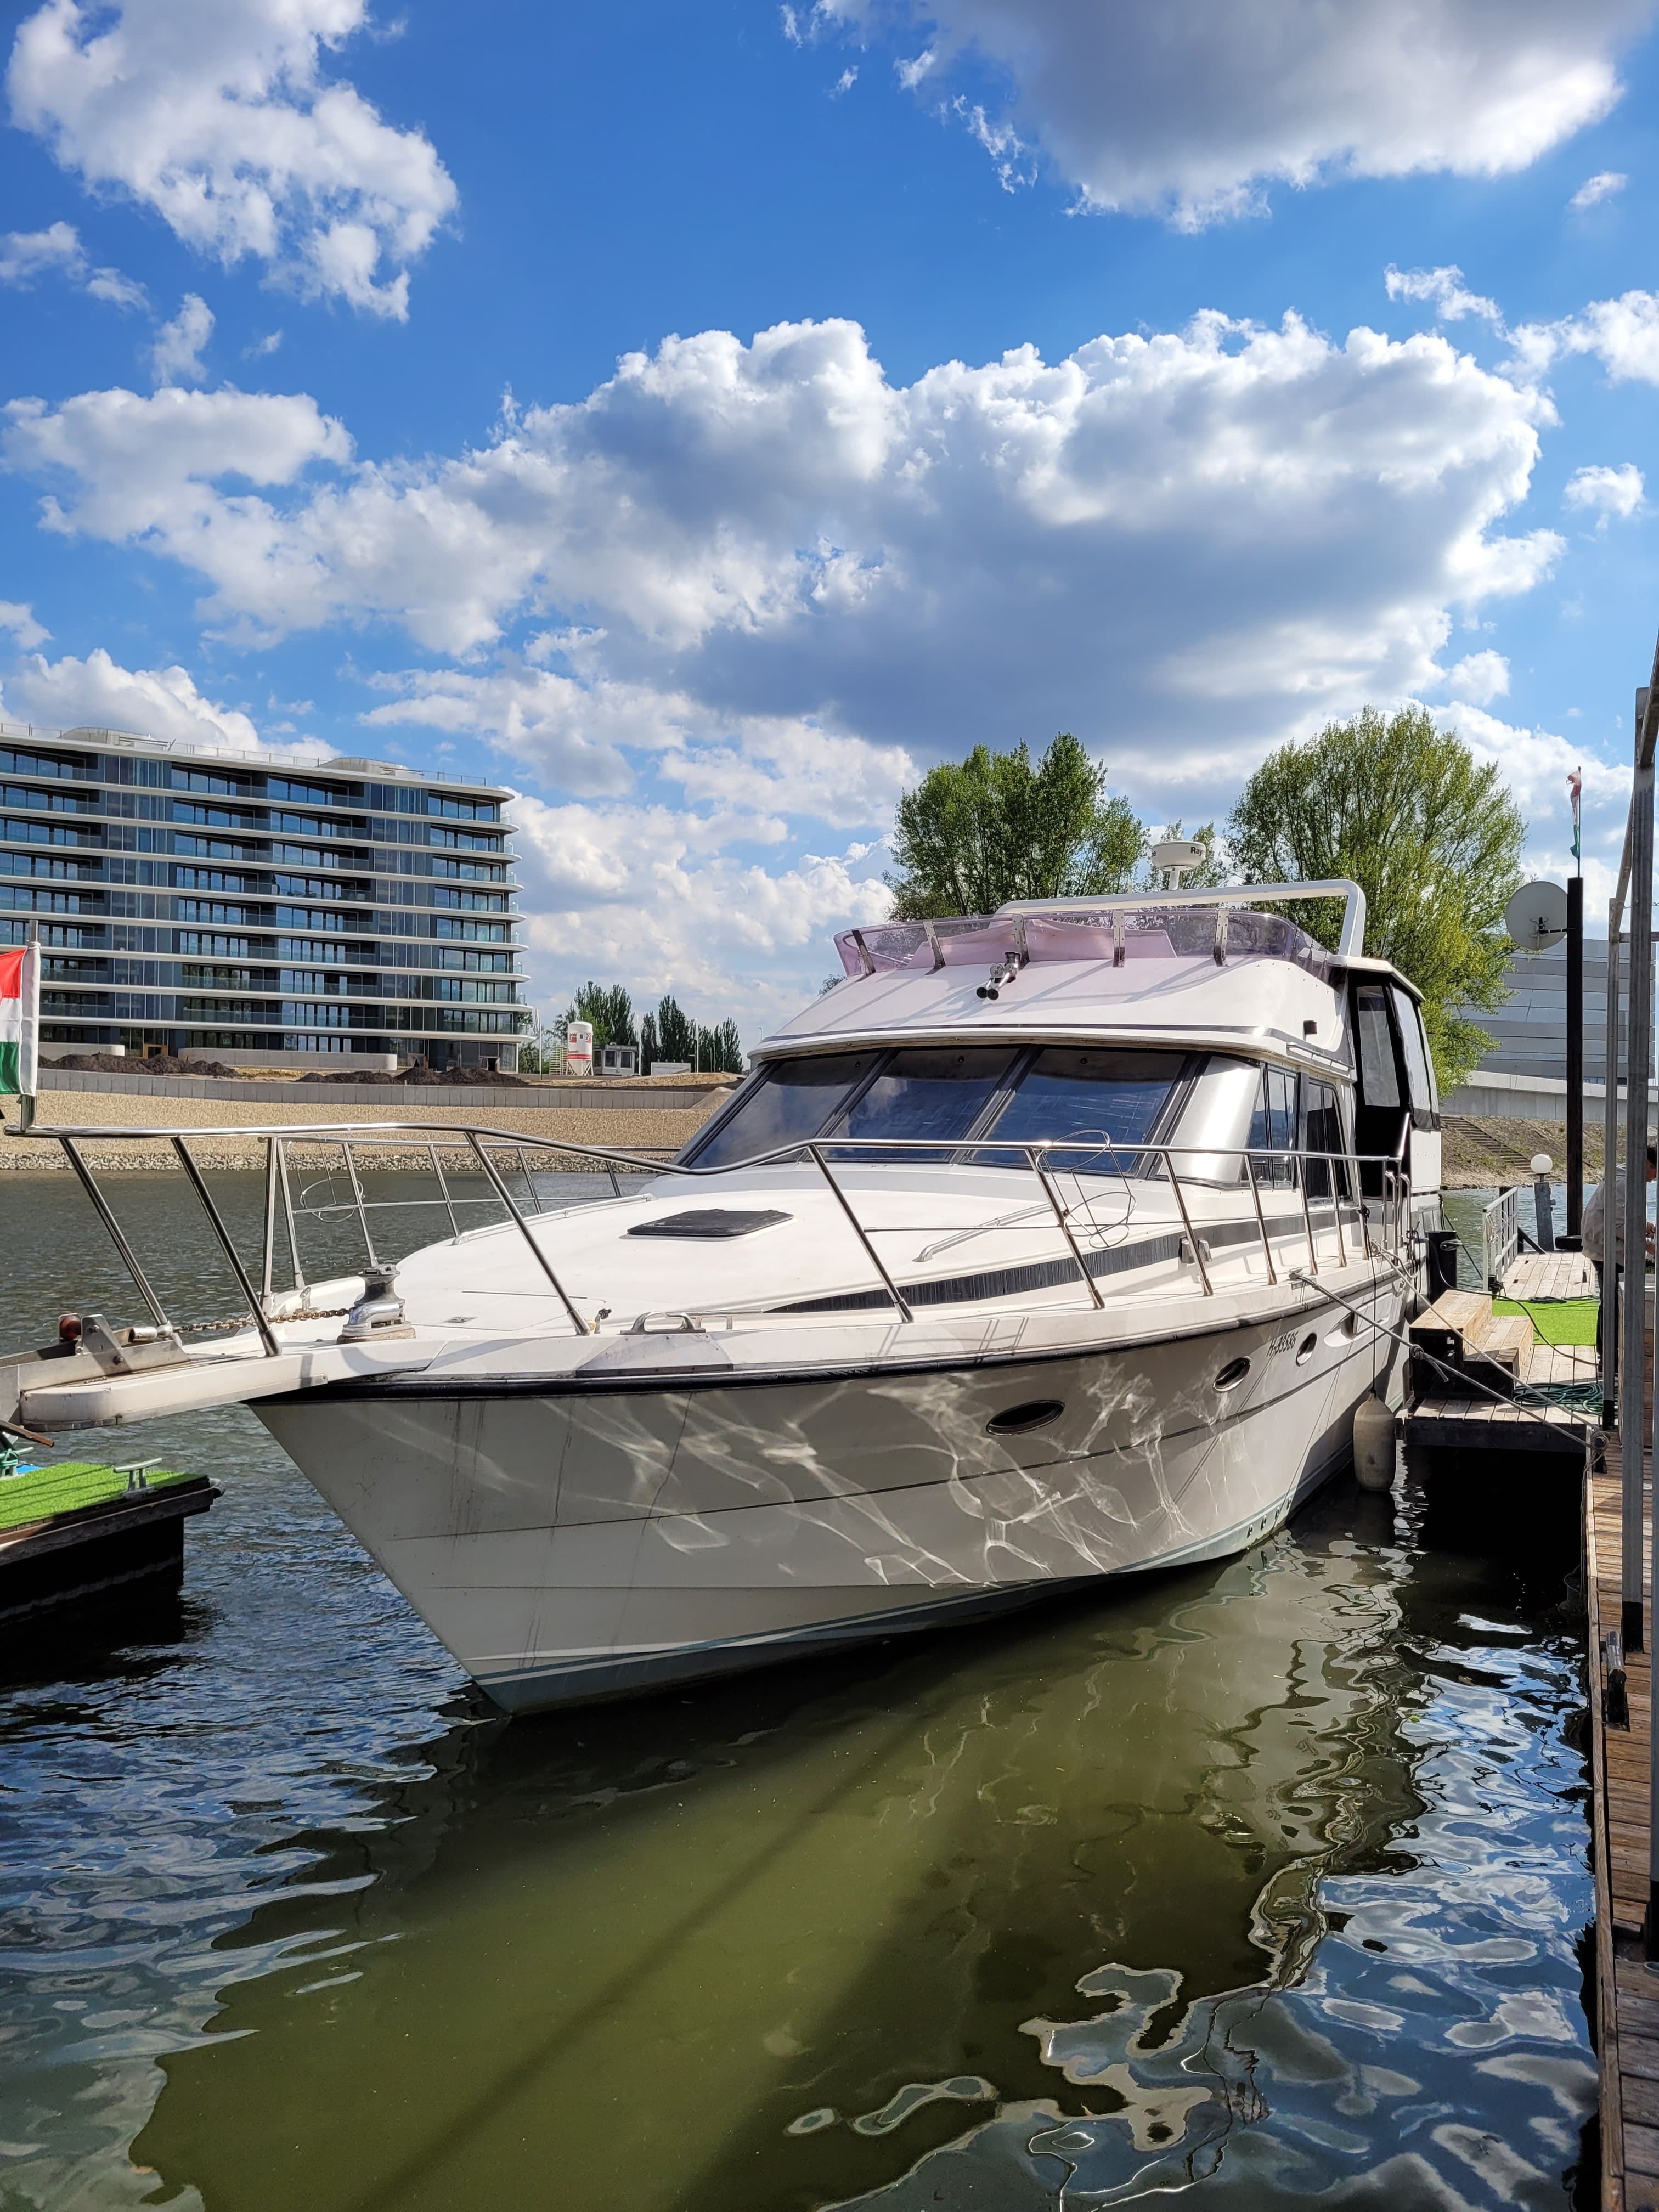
x: 569, y: 1541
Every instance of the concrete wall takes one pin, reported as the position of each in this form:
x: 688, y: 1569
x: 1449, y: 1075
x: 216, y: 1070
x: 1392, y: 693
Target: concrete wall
x: 1490, y: 1096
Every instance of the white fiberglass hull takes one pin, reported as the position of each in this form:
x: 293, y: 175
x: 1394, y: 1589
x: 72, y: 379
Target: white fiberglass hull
x: 571, y: 1538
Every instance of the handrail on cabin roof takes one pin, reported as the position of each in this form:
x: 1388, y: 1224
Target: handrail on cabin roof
x: 1350, y: 944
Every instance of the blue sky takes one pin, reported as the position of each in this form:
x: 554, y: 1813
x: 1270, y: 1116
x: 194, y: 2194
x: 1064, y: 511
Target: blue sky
x: 703, y: 420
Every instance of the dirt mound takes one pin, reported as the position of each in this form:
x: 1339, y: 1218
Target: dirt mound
x: 457, y: 1076
x: 160, y: 1063
x: 453, y: 1078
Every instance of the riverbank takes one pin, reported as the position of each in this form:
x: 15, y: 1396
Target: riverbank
x: 1477, y: 1154
x: 626, y: 1129
x: 1486, y: 1154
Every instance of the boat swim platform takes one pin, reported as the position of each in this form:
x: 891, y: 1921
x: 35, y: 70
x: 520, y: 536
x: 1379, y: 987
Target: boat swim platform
x: 1627, y: 2012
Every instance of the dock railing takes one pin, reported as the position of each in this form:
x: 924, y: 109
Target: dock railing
x: 1500, y: 1238
x: 1328, y: 1215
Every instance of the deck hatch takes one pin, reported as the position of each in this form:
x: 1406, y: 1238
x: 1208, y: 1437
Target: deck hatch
x: 711, y: 1224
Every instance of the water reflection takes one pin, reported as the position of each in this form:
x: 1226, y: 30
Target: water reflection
x: 1266, y: 1878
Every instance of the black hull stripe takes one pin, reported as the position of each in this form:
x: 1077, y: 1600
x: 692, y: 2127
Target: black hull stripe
x: 657, y: 1380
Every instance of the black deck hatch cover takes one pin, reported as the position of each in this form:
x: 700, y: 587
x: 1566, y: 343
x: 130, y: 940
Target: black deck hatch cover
x: 711, y: 1223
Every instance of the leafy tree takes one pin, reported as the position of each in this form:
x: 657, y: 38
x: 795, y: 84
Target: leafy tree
x: 670, y: 1033
x: 673, y: 1034
x: 1433, y: 841
x: 719, y: 1050
x: 611, y: 1010
x: 992, y: 828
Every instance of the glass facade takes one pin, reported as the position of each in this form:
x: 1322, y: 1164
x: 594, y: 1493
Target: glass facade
x: 250, y: 905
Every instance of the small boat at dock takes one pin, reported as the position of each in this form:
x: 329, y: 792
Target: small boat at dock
x: 1047, y: 1247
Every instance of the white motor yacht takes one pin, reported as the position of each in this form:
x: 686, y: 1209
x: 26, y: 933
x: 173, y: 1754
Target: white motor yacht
x: 1046, y: 1246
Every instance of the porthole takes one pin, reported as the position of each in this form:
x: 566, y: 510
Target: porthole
x: 1305, y: 1350
x: 1233, y: 1373
x: 1019, y: 1420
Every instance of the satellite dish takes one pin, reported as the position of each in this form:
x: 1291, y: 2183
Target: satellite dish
x: 1178, y: 856
x: 1536, y: 917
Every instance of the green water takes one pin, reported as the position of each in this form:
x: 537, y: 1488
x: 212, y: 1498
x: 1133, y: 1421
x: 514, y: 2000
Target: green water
x: 1266, y: 1880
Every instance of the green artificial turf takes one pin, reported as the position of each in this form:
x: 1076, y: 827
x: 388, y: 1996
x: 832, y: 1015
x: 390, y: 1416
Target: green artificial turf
x: 39, y: 1491
x: 1556, y: 1320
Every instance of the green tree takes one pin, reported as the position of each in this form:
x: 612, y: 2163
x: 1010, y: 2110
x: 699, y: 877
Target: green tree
x: 719, y: 1050
x: 672, y: 1034
x: 611, y: 1010
x: 992, y: 828
x: 1432, y: 839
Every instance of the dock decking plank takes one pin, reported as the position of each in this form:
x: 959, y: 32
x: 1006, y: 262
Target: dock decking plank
x: 1630, y: 2144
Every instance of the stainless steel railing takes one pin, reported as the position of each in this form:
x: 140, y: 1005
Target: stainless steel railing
x: 1323, y: 1177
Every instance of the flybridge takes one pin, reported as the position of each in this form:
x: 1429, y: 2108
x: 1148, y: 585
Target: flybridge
x: 1126, y: 925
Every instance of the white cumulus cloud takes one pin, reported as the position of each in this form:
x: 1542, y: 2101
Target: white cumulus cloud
x: 1443, y: 288
x: 142, y: 465
x: 1535, y: 764
x: 1623, y: 334
x: 26, y: 254
x: 19, y: 621
x: 176, y: 356
x: 218, y: 115
x: 1479, y: 677
x: 652, y: 898
x: 1258, y: 519
x: 159, y: 702
x: 1608, y: 491
x: 1186, y: 109
x: 1602, y: 186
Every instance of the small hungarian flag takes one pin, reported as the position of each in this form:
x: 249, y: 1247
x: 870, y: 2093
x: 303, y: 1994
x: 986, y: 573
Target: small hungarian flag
x: 1576, y: 787
x: 19, y: 1020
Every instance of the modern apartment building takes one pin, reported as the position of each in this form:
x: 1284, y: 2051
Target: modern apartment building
x: 1529, y: 1029
x: 256, y: 906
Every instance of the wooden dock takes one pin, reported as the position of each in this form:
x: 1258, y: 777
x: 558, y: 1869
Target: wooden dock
x: 1550, y: 1275
x: 1627, y: 1989
x: 77, y: 1534
x: 1480, y: 1381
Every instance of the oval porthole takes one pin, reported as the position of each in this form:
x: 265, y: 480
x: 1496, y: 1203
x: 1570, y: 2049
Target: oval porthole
x: 1305, y: 1350
x: 1233, y: 1373
x: 1018, y: 1420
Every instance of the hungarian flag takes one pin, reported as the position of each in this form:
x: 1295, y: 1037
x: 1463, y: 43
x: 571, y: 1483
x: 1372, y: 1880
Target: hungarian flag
x: 19, y: 1020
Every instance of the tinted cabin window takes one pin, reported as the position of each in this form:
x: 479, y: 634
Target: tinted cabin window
x: 1419, y: 1074
x: 1088, y: 1100
x: 1379, y: 1082
x: 1321, y: 1132
x: 926, y: 1094
x: 794, y: 1100
x: 1273, y: 1130
x: 1379, y: 1120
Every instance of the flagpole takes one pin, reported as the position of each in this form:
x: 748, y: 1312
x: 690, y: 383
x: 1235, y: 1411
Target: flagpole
x: 1576, y: 1024
x: 29, y: 1044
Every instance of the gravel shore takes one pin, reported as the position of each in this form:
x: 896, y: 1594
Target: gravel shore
x: 629, y: 1129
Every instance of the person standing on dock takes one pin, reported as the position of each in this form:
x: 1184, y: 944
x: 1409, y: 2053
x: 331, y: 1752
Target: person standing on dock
x: 1593, y: 1233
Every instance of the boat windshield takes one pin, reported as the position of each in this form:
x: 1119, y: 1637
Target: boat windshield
x: 793, y: 1100
x: 1092, y: 1100
x: 928, y: 1094
x: 1097, y: 1098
